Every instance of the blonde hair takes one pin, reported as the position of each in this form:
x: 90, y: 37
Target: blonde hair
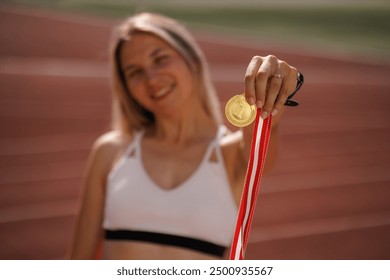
x: 128, y: 115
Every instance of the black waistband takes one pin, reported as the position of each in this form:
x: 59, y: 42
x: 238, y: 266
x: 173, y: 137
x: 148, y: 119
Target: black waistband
x: 167, y: 239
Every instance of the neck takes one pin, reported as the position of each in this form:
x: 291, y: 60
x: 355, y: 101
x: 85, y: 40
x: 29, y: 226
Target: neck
x: 184, y: 125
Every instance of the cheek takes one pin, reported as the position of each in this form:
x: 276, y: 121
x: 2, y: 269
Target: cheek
x: 187, y: 79
x: 138, y: 92
x: 133, y: 84
x: 136, y: 87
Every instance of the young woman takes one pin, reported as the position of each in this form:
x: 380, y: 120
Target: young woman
x: 165, y: 183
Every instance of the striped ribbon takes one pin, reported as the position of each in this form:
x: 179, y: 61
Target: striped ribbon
x: 259, y: 146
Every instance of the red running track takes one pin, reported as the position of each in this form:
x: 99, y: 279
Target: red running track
x: 327, y: 198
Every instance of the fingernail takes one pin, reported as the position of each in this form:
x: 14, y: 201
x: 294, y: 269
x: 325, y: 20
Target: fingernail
x: 274, y: 112
x: 264, y: 115
x: 250, y: 100
x: 259, y: 103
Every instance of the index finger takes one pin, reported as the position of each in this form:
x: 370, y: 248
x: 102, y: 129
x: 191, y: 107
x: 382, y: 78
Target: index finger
x: 250, y: 78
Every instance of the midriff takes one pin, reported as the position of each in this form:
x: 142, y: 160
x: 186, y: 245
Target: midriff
x: 136, y: 250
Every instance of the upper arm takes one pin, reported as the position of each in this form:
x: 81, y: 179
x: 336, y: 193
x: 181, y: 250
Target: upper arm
x: 89, y: 223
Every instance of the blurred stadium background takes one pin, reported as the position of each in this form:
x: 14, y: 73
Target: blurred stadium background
x: 328, y: 196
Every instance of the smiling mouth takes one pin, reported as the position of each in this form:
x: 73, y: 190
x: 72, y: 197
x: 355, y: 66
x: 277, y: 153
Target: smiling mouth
x: 162, y: 92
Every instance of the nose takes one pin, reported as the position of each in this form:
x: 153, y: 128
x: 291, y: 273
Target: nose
x: 151, y: 75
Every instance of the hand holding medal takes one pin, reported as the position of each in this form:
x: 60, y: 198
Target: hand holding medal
x: 240, y: 113
x: 264, y: 90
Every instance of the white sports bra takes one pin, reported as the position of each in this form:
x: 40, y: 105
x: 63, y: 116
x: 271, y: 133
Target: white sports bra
x: 199, y: 214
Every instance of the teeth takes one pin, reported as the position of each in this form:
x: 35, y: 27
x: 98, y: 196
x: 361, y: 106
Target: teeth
x: 161, y: 92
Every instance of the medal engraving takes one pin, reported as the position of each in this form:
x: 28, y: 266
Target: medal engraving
x: 239, y: 112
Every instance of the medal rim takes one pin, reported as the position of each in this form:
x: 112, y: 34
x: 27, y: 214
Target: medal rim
x: 232, y: 120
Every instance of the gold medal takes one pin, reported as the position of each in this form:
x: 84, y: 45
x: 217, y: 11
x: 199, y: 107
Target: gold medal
x: 239, y: 112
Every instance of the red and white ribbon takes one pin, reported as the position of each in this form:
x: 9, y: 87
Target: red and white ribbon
x: 259, y: 146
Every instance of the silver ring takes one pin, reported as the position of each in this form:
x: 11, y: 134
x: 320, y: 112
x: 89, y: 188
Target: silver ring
x: 278, y: 76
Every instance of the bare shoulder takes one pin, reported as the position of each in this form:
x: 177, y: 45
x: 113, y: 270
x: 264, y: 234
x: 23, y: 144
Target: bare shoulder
x: 108, y: 141
x: 106, y: 149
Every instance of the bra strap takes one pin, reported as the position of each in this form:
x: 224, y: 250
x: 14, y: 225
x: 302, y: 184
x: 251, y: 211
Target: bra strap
x: 214, y: 145
x: 221, y: 133
x: 134, y: 146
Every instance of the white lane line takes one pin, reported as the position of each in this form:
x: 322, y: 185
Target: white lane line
x: 220, y: 72
x: 50, y: 209
x: 55, y: 67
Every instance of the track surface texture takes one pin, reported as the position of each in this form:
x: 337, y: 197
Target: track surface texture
x: 327, y: 198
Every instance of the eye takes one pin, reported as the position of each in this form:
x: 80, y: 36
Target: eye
x: 134, y: 73
x: 161, y: 59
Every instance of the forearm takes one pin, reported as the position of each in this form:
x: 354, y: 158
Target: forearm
x: 88, y: 232
x: 86, y: 241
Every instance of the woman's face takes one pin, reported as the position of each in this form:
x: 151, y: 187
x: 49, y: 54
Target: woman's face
x: 156, y: 74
